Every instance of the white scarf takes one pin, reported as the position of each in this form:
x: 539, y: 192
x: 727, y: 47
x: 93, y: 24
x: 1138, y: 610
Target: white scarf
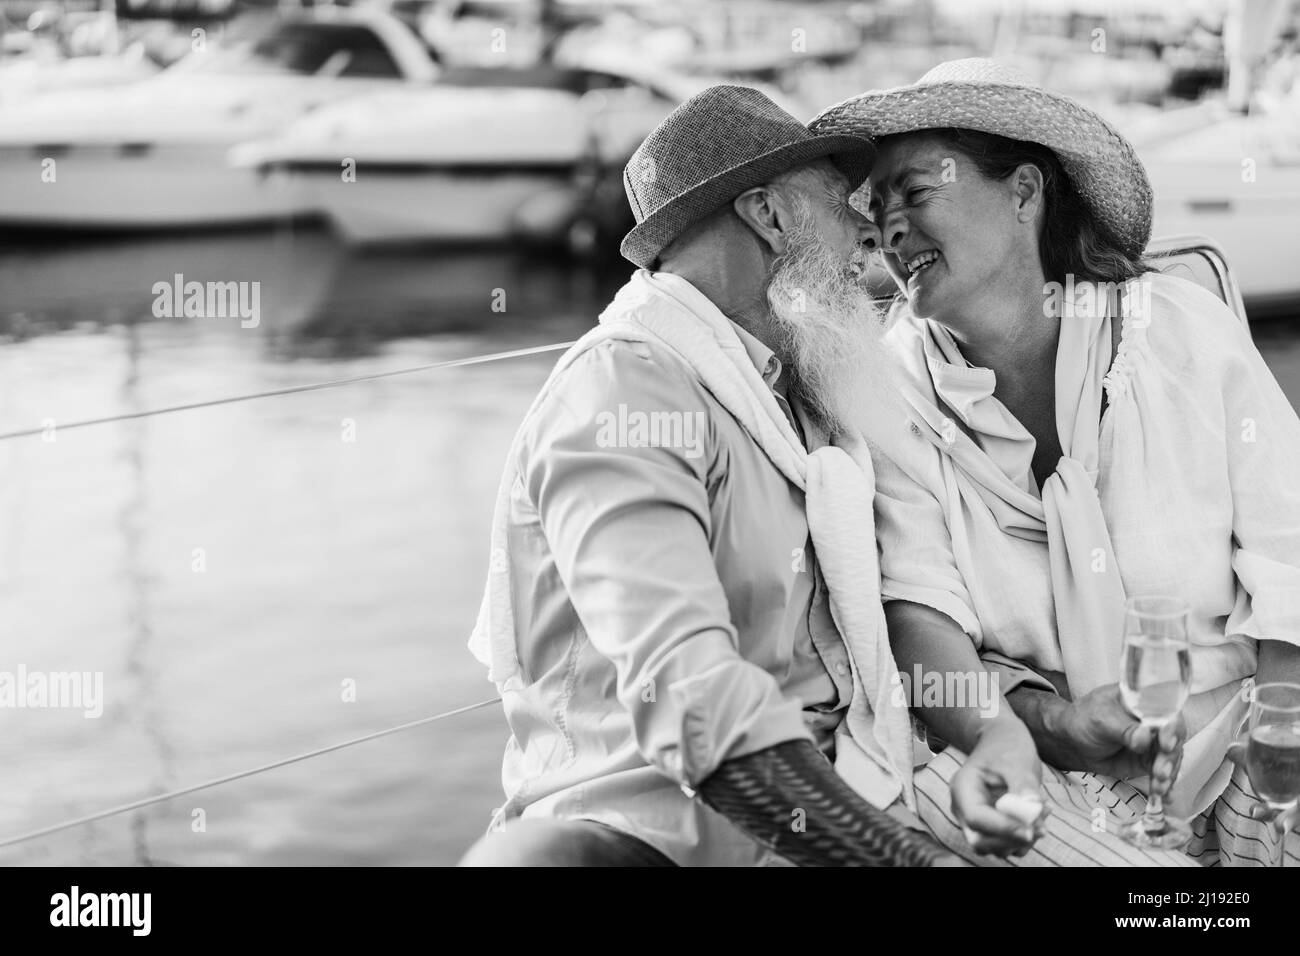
x: 874, y: 748
x: 1086, y: 585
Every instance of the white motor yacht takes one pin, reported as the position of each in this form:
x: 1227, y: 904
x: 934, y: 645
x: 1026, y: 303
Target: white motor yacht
x: 487, y: 154
x: 154, y: 154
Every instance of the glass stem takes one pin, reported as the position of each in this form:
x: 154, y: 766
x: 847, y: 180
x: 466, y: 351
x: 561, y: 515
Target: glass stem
x: 1153, y: 818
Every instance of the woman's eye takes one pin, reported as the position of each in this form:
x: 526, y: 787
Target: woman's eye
x: 916, y: 193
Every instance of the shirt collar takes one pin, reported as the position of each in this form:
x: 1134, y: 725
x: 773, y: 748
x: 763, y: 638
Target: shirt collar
x: 960, y: 384
x: 764, y: 359
x: 968, y: 391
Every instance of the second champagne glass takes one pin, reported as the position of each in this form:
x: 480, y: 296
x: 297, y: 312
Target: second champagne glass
x: 1155, y: 680
x: 1273, y: 752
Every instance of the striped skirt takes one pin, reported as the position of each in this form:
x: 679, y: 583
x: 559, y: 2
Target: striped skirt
x: 1086, y: 812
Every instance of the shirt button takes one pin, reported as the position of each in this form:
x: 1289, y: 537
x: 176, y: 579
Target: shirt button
x: 841, y: 668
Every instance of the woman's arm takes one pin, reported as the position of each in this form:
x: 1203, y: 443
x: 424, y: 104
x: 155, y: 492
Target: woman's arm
x: 1094, y: 733
x: 1261, y: 433
x: 1097, y: 733
x: 1001, y: 757
x: 925, y: 639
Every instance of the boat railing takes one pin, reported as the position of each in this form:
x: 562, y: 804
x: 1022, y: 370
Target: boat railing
x: 1201, y: 260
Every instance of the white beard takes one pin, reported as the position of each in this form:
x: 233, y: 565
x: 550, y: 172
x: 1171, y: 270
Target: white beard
x: 828, y: 333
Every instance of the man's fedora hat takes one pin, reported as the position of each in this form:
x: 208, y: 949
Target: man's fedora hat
x: 982, y: 95
x: 709, y: 150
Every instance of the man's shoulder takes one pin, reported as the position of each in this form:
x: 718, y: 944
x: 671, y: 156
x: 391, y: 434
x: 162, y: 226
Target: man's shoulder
x: 623, y: 365
x: 619, y: 377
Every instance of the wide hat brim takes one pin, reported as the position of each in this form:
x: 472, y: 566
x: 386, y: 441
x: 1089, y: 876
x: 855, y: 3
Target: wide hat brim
x: 851, y: 155
x: 1101, y: 163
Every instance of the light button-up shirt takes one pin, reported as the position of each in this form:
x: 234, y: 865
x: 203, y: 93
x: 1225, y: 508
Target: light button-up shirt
x: 670, y: 615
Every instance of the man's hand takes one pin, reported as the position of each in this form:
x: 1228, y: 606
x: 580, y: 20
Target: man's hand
x: 1004, y: 761
x: 1105, y: 738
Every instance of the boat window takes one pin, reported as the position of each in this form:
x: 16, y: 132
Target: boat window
x: 534, y: 78
x: 305, y: 48
x: 333, y: 49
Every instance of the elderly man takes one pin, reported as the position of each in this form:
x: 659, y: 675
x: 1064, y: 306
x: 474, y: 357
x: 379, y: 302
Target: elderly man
x: 678, y: 674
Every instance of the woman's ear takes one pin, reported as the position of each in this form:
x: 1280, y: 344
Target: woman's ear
x: 1028, y: 186
x: 762, y: 210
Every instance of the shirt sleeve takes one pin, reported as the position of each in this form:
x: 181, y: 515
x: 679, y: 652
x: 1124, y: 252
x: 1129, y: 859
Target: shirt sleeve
x: 628, y: 523
x: 917, y: 564
x: 916, y: 554
x: 1262, y: 436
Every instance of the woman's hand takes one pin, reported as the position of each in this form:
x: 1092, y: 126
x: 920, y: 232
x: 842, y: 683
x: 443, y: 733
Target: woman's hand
x: 1106, y: 738
x: 1004, y: 761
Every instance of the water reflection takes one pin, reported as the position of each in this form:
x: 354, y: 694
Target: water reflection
x: 327, y: 559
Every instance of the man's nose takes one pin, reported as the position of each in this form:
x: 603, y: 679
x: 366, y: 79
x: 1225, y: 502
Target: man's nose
x: 869, y: 235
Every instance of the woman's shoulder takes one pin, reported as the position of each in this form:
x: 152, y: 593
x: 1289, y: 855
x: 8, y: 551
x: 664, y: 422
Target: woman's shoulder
x: 1182, y: 311
x: 1189, y: 328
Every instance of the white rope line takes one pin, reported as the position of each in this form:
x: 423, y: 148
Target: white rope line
x: 454, y: 363
x: 172, y: 794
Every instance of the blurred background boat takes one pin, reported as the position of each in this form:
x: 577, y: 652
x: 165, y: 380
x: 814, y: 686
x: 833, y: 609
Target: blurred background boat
x: 530, y: 154
x: 153, y: 154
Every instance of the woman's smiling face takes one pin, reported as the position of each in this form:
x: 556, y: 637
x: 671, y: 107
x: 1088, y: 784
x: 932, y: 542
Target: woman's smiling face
x: 947, y: 231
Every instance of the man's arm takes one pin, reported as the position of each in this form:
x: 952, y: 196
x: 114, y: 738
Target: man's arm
x: 629, y: 530
x: 628, y: 525
x: 790, y: 800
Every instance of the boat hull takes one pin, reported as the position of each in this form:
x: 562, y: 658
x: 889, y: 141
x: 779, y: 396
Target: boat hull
x: 124, y: 188
x: 407, y: 206
x: 1251, y: 220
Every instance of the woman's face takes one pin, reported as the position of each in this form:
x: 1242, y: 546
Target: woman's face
x: 947, y: 232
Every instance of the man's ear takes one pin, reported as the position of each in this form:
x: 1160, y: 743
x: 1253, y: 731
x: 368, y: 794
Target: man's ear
x: 763, y: 210
x: 1027, y: 182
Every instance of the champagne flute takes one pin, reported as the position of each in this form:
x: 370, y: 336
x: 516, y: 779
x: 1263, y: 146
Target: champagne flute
x: 1155, y: 680
x: 1273, y: 752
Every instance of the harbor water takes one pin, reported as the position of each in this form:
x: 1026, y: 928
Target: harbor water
x: 258, y: 579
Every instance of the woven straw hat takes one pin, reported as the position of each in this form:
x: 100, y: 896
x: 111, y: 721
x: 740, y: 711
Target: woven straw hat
x: 979, y: 94
x: 709, y: 150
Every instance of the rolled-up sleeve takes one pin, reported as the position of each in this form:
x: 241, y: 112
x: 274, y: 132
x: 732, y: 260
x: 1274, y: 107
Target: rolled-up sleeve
x: 1263, y: 449
x: 628, y: 523
x: 917, y: 564
x: 916, y: 556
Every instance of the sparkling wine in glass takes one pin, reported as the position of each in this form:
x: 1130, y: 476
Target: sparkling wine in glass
x: 1155, y: 680
x: 1273, y: 752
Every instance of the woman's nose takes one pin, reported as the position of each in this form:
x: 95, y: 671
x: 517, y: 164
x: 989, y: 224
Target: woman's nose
x: 893, y: 232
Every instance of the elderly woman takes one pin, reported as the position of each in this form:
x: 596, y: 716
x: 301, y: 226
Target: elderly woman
x: 1080, y: 430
